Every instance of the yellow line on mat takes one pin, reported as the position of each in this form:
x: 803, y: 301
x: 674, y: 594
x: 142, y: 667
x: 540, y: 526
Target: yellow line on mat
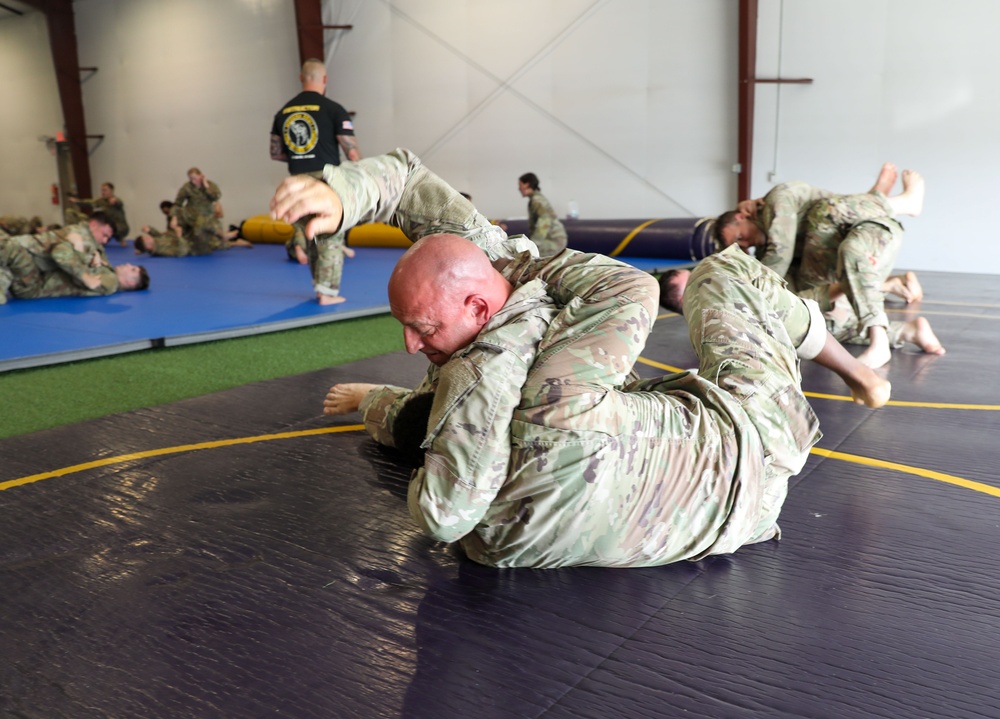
x: 107, y: 461
x: 895, y: 466
x: 628, y: 238
x: 658, y: 365
x: 844, y: 398
x: 902, y: 403
x: 908, y: 311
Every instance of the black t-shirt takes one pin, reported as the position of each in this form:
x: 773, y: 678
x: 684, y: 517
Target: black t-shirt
x: 308, y: 126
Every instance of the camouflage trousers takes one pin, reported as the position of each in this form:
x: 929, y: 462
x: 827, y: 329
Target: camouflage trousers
x: 853, y: 241
x: 18, y: 273
x: 749, y: 330
x: 326, y: 262
x: 326, y: 253
x: 842, y: 322
x: 167, y: 244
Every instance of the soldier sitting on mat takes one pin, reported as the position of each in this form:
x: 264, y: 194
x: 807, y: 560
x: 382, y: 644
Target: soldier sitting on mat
x: 21, y: 276
x: 79, y: 210
x: 541, y: 451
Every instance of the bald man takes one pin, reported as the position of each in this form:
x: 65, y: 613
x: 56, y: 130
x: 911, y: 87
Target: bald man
x: 308, y: 134
x: 540, y: 451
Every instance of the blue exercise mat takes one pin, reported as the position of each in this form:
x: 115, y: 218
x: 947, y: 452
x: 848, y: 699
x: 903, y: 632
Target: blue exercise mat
x: 226, y: 294
x: 230, y: 293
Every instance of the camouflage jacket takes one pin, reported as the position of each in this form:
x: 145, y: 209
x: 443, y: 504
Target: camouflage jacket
x: 537, y: 452
x: 544, y: 227
x: 398, y: 190
x: 114, y: 210
x: 201, y: 199
x: 57, y: 283
x: 167, y: 244
x: 781, y: 219
x: 53, y: 250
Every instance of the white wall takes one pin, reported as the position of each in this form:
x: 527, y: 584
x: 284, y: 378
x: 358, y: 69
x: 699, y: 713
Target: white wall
x: 913, y: 82
x: 31, y: 110
x: 184, y: 83
x: 623, y: 106
x: 627, y: 107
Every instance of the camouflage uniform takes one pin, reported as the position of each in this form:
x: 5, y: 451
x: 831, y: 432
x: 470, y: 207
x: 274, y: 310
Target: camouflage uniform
x: 167, y: 244
x: 198, y: 230
x: 538, y: 452
x: 851, y: 240
x: 20, y: 274
x: 325, y: 253
x: 114, y: 211
x: 52, y: 250
x: 781, y: 219
x: 544, y: 227
x: 200, y: 205
x: 14, y: 225
x: 381, y: 189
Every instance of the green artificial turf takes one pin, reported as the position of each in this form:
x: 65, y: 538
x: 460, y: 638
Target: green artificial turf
x: 44, y: 397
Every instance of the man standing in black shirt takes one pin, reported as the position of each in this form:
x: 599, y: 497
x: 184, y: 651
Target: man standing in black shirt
x: 308, y: 133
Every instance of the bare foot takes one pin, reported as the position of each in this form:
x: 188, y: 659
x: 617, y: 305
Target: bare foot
x: 345, y: 398
x: 239, y: 242
x: 886, y: 179
x: 879, y: 351
x: 348, y: 251
x: 329, y: 299
x: 301, y: 256
x: 911, y: 200
x: 918, y: 331
x: 870, y: 390
x: 914, y: 287
x: 906, y: 286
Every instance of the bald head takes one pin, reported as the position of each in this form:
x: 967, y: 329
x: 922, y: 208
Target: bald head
x: 313, y: 75
x: 443, y: 290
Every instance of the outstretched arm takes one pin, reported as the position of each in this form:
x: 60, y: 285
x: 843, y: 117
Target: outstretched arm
x: 396, y: 189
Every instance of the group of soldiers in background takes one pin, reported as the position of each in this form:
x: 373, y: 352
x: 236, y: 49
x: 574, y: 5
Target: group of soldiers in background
x: 68, y: 261
x: 194, y: 223
x: 71, y: 261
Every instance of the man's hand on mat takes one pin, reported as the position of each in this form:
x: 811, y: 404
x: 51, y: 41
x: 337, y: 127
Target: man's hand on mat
x: 301, y: 195
x: 345, y: 398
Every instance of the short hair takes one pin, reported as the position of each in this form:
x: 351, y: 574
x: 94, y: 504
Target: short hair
x: 166, y: 205
x: 143, y: 279
x: 726, y: 219
x: 671, y: 292
x: 101, y: 217
x: 109, y: 184
x: 530, y: 179
x: 140, y: 244
x: 313, y: 69
x: 194, y: 171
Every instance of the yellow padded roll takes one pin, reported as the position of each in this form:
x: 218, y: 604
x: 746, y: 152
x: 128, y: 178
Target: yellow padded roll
x: 377, y: 234
x: 261, y: 228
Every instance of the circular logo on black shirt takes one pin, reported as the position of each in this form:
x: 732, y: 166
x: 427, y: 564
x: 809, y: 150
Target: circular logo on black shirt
x: 300, y: 133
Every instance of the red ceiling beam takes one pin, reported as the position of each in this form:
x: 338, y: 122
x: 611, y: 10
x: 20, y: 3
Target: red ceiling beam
x: 309, y: 24
x: 747, y: 70
x: 62, y: 38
